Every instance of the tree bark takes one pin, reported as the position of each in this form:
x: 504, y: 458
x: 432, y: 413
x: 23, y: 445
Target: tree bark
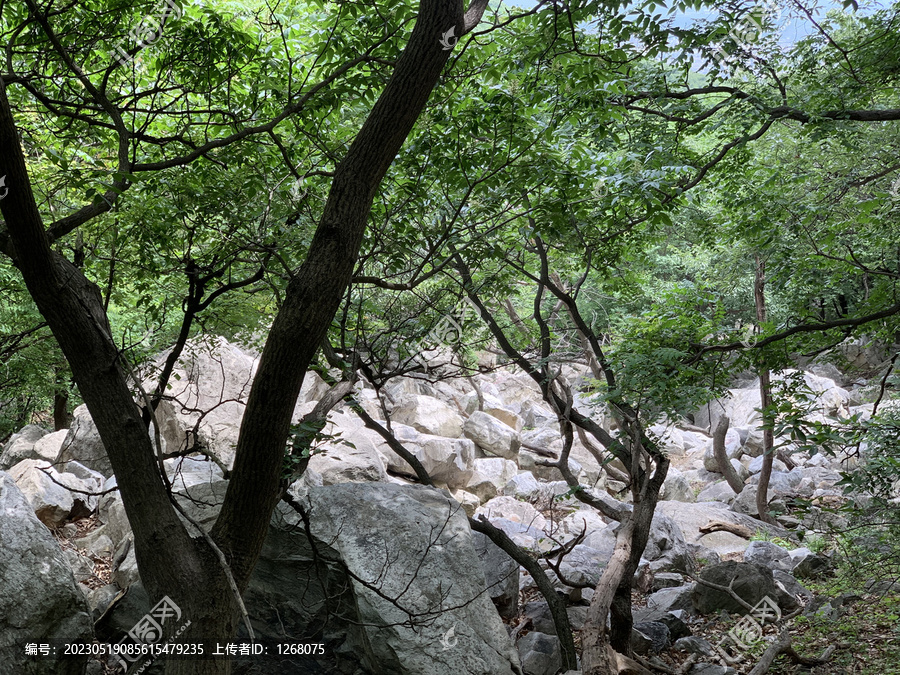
x: 725, y: 468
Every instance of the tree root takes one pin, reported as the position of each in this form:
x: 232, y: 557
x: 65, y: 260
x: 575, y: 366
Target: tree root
x: 782, y: 645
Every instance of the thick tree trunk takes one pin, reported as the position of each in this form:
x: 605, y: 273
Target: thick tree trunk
x: 315, y: 292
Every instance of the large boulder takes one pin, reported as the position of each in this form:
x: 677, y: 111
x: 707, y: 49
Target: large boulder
x: 207, y: 394
x: 428, y: 415
x: 742, y: 406
x: 32, y: 442
x: 414, y: 546
x: 414, y: 605
x: 676, y: 487
x: 769, y: 555
x: 350, y: 458
x: 82, y: 444
x: 39, y: 599
x: 748, y: 581
x: 47, y: 490
x: 21, y: 446
x: 691, y: 517
x: 514, y: 510
x: 540, y: 654
x: 491, y: 476
x: 449, y: 461
x: 492, y: 435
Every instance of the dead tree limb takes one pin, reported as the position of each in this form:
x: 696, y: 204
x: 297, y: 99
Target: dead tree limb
x: 724, y: 464
x: 734, y: 528
x: 782, y: 645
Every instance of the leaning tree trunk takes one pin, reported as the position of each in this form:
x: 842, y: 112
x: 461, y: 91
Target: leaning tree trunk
x: 722, y: 461
x: 170, y: 561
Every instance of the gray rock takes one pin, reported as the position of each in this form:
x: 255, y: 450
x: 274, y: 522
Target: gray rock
x: 675, y: 621
x: 491, y: 475
x: 540, y: 654
x: 666, y: 546
x: 584, y: 565
x: 501, y: 575
x: 125, y: 570
x: 82, y: 568
x: 769, y: 555
x: 492, y: 435
x: 755, y: 465
x: 449, y: 461
x: 666, y: 600
x: 39, y: 599
x: 667, y: 580
x: 808, y: 565
x: 523, y: 486
x: 695, y: 645
x: 531, y: 461
x: 541, y: 618
x: 657, y: 634
x: 429, y: 415
x: 790, y: 584
x: 83, y: 445
x: 717, y: 492
x: 99, y: 599
x: 749, y: 581
x: 353, y: 458
x: 676, y: 487
x: 408, y: 542
x: 46, y: 489
x: 691, y: 517
x: 21, y: 446
x: 418, y: 545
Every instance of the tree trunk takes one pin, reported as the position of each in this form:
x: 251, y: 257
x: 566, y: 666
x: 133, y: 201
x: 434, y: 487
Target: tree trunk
x: 765, y: 398
x: 725, y: 468
x: 315, y: 292
x: 60, y: 408
x: 613, y: 592
x: 597, y: 655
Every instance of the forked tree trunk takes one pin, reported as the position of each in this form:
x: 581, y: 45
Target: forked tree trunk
x: 608, y: 652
